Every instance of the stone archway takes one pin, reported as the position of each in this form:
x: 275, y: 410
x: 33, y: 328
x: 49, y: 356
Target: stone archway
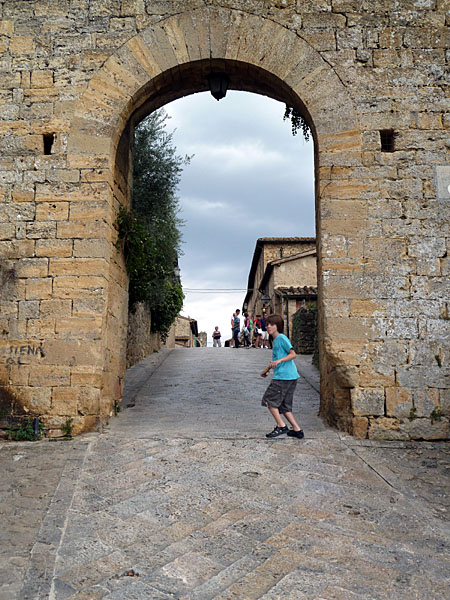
x: 173, y: 59
x: 359, y: 76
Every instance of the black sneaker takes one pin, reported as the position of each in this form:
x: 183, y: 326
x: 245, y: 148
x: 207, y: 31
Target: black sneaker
x: 297, y: 434
x: 277, y: 431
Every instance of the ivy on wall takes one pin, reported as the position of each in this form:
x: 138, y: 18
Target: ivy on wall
x: 149, y: 233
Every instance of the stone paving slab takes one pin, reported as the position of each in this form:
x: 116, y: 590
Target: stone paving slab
x: 182, y: 496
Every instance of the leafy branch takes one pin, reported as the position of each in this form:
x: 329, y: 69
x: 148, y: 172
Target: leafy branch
x: 297, y: 122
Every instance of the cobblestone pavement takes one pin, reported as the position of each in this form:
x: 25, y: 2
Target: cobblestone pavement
x: 182, y: 496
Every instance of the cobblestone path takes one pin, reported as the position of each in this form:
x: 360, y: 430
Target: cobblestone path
x: 183, y: 497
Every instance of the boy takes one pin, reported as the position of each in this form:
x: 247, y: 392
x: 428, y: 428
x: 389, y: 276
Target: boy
x: 279, y: 395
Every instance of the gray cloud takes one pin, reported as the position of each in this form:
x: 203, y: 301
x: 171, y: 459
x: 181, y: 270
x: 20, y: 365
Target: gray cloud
x: 248, y: 178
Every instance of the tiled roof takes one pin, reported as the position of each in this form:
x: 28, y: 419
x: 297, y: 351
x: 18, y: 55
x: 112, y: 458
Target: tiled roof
x: 307, y: 290
x: 287, y: 240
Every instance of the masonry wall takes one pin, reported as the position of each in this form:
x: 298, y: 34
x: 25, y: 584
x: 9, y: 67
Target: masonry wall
x: 73, y: 74
x: 301, y: 272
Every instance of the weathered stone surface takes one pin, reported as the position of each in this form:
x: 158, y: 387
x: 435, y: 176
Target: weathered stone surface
x: 155, y: 507
x: 75, y: 72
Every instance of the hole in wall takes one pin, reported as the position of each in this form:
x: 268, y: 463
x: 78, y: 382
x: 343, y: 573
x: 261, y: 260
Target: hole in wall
x: 49, y: 139
x: 387, y: 140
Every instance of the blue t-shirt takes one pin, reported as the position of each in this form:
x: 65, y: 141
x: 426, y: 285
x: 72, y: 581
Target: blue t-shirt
x: 236, y: 323
x: 280, y: 348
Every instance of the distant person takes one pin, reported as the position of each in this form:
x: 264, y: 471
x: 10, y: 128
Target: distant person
x: 257, y: 332
x: 247, y: 330
x: 279, y: 395
x: 236, y: 328
x: 216, y: 335
x: 264, y: 333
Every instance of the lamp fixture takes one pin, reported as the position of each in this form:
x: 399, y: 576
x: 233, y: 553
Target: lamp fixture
x: 218, y: 85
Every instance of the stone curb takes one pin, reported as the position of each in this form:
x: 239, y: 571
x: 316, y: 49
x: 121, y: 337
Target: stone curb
x: 39, y: 575
x: 137, y: 376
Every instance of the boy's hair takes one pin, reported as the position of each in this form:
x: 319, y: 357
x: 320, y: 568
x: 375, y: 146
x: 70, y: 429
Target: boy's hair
x: 276, y: 320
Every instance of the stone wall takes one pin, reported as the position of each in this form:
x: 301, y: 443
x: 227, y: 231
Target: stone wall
x: 304, y: 331
x: 370, y: 78
x: 141, y: 341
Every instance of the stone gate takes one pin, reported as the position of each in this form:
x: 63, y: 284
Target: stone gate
x: 371, y: 78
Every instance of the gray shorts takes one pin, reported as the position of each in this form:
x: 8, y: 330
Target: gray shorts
x: 280, y: 394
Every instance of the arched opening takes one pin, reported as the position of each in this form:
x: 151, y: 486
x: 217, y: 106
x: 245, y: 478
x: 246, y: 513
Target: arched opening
x: 189, y: 79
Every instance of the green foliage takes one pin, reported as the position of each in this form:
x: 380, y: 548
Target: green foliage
x: 297, y: 122
x: 412, y: 414
x: 149, y: 233
x: 436, y: 415
x: 25, y: 432
x: 67, y: 428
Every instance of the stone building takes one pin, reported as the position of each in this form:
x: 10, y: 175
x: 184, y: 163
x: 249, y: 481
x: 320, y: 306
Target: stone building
x: 370, y: 78
x: 289, y: 283
x: 278, y: 264
x: 183, y: 333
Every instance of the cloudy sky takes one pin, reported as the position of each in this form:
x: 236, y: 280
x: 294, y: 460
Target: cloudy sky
x: 248, y: 178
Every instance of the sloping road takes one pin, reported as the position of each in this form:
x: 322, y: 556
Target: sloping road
x: 183, y: 497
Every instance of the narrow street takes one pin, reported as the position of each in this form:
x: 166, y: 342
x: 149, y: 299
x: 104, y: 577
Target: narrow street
x: 183, y: 497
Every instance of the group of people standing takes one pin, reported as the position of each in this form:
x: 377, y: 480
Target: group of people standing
x: 254, y: 332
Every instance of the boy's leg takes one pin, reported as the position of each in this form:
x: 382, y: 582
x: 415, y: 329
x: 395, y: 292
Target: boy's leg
x: 276, y: 415
x: 290, y: 417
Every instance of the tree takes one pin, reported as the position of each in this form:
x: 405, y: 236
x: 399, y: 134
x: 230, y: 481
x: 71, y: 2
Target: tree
x: 149, y: 233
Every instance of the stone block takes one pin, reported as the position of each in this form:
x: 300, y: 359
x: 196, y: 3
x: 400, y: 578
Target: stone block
x: 13, y: 212
x: 72, y: 353
x: 42, y: 328
x: 426, y: 401
x: 43, y: 375
x: 37, y: 400
x: 38, y: 288
x: 31, y: 267
x: 346, y: 328
x: 54, y: 248
x: 52, y: 211
x: 386, y: 428
x: 64, y: 401
x: 41, y: 79
x: 6, y: 27
x: 7, y: 231
x: 74, y: 287
x: 398, y: 402
x: 365, y: 308
x: 18, y: 374
x: 89, y: 328
x: 21, y: 45
x: 77, y: 266
x: 86, y: 375
x: 41, y: 230
x: 92, y: 248
x: 88, y: 400
x: 424, y: 429
x: 377, y: 375
x: 81, y: 229
x: 55, y: 308
x: 427, y: 248
x: 360, y: 427
x: 367, y: 401
x: 87, y: 307
x: 28, y: 309
x: 64, y: 175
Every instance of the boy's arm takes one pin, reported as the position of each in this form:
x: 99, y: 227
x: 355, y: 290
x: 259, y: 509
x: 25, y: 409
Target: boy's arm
x: 290, y: 356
